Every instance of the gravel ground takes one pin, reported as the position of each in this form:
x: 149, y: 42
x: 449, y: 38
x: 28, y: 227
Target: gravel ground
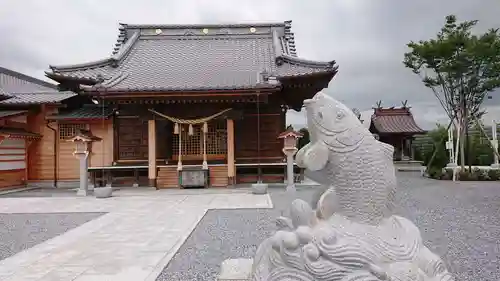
x: 23, y: 231
x: 459, y: 221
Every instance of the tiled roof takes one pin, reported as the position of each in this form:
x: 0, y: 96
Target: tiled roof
x: 38, y: 97
x: 395, y: 120
x: 7, y: 113
x: 15, y: 82
x: 195, y: 57
x: 87, y: 112
x: 18, y: 88
x: 18, y: 133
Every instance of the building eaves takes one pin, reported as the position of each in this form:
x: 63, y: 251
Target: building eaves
x: 10, y: 113
x: 396, y: 124
x: 18, y: 133
x: 86, y: 112
x: 191, y: 26
x: 112, y: 61
x: 26, y: 78
x: 37, y: 98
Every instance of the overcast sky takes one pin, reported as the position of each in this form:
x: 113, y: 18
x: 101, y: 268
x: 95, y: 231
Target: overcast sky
x: 367, y: 38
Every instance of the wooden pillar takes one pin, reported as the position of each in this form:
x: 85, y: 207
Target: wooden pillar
x: 412, y: 149
x: 152, y: 152
x: 230, y: 150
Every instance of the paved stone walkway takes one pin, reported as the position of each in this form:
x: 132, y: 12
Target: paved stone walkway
x: 135, y: 240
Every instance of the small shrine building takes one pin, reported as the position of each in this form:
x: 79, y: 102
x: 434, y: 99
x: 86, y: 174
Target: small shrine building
x: 397, y: 127
x: 172, y: 98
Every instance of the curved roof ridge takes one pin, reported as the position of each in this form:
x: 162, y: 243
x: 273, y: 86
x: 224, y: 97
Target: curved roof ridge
x: 285, y: 50
x: 41, y: 93
x: 122, y: 37
x: 201, y: 25
x: 306, y: 62
x: 125, y: 48
x: 113, y: 60
x: 83, y: 65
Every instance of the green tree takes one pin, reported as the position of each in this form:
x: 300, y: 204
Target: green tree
x: 438, y: 138
x: 460, y: 68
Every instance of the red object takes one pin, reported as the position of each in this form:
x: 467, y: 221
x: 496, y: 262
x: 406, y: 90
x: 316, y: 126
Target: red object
x: 290, y: 133
x: 395, y: 120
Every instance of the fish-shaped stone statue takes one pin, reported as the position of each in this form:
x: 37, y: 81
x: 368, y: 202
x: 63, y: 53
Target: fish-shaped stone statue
x: 353, y: 235
x: 364, y: 181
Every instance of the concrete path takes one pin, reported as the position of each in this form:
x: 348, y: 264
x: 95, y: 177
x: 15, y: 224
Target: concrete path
x: 135, y: 240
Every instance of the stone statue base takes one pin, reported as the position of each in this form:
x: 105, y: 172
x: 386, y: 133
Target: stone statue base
x: 236, y: 270
x: 309, y: 248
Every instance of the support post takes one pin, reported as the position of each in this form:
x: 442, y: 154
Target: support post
x: 290, y: 186
x: 179, y: 161
x: 230, y: 150
x: 84, y: 179
x: 494, y: 145
x: 152, y: 152
x: 205, y: 131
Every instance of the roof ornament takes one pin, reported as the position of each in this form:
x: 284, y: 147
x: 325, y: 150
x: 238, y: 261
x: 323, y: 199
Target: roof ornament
x: 279, y: 61
x: 225, y: 31
x: 158, y: 31
x: 100, y: 78
x: 253, y: 30
x: 379, y: 104
x: 205, y: 30
x: 405, y: 104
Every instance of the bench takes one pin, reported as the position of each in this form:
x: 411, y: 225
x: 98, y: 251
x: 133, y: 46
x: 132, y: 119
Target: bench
x: 107, y: 177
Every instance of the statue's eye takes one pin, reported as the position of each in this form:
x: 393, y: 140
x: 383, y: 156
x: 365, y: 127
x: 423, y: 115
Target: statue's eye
x: 340, y: 115
x: 320, y: 115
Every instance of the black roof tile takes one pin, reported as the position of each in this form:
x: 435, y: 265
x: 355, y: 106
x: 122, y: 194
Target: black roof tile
x: 195, y: 57
x: 18, y: 88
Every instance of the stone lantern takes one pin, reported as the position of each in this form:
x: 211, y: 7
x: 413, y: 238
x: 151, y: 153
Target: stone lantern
x: 83, y: 140
x: 290, y: 139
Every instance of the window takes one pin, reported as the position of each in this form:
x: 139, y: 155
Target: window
x: 67, y: 131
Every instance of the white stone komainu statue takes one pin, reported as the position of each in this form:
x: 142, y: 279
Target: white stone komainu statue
x: 353, y: 235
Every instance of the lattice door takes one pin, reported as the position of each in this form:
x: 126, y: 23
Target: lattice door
x: 193, y: 145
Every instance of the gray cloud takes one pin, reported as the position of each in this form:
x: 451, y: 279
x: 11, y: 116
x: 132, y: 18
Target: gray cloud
x: 366, y: 38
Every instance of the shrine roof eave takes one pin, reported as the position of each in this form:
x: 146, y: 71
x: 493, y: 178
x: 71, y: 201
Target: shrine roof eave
x: 152, y: 91
x: 406, y: 127
x: 64, y: 78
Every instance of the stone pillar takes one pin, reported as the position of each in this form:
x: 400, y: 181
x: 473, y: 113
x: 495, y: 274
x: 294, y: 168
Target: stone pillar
x: 290, y: 186
x: 84, y: 179
x: 152, y: 152
x: 230, y: 150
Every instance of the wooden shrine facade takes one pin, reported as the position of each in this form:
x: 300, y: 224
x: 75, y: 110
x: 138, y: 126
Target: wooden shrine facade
x: 397, y: 127
x: 211, y: 97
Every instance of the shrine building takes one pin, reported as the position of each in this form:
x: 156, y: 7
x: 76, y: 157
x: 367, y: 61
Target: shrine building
x: 397, y: 127
x: 173, y: 100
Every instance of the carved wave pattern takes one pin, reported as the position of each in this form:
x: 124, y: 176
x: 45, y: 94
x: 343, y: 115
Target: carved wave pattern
x: 342, y: 250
